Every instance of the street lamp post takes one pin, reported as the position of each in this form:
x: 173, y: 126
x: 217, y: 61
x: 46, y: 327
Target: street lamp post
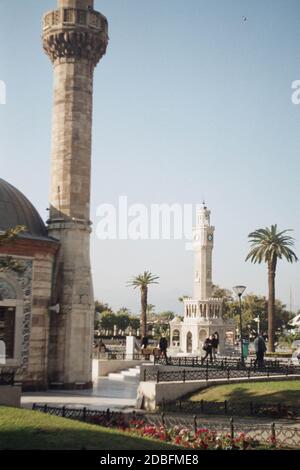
x: 257, y: 320
x: 239, y: 290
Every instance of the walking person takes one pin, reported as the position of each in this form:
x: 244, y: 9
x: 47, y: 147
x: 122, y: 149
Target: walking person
x: 207, y: 347
x: 260, y: 349
x: 144, y: 342
x: 215, y: 344
x: 163, y: 346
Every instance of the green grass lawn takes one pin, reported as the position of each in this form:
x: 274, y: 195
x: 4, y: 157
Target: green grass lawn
x: 25, y: 429
x: 286, y: 393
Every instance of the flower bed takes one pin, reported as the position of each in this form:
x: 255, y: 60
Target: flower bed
x: 201, y: 438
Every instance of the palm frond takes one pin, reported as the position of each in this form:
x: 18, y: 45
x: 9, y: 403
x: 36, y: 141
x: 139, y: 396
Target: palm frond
x: 268, y: 244
x: 143, y: 280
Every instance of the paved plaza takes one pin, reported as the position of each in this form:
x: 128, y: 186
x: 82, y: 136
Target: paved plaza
x: 118, y: 396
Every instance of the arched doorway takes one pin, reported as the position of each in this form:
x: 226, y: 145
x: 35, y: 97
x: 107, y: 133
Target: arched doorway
x: 189, y: 342
x: 202, y: 337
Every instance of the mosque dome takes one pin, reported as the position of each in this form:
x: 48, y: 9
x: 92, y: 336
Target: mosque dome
x: 16, y: 209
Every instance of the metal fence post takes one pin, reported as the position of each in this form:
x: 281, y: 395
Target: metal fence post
x: 195, y: 424
x: 163, y: 419
x: 45, y: 408
x: 225, y: 407
x: 231, y: 428
x: 63, y: 411
x: 273, y: 434
x: 183, y: 378
x: 33, y: 406
x: 84, y: 414
x: 145, y: 375
x: 279, y: 409
x: 202, y: 406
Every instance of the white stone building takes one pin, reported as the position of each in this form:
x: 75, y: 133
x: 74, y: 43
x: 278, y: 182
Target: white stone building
x: 203, y: 314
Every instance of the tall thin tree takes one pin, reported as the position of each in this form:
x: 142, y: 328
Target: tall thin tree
x: 142, y: 281
x: 269, y: 245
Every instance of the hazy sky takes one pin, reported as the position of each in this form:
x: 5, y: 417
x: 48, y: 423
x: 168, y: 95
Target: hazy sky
x: 190, y: 102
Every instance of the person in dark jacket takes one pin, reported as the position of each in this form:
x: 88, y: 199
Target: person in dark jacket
x: 207, y: 347
x: 215, y: 344
x: 260, y: 349
x: 163, y: 346
x: 144, y: 342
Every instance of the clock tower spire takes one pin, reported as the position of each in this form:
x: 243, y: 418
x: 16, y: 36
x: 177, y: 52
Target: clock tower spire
x: 203, y: 245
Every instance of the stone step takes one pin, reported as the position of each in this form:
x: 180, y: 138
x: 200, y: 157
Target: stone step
x: 131, y: 374
x: 116, y: 376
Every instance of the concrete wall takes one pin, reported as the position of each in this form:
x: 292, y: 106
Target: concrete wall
x: 10, y: 395
x: 152, y: 394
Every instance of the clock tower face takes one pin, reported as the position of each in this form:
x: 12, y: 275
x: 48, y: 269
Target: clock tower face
x: 210, y: 237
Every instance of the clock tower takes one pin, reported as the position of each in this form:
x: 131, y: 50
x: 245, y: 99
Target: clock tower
x: 203, y: 313
x: 203, y: 240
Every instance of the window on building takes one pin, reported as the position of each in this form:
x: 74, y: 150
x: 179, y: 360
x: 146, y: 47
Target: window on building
x: 7, y: 329
x: 176, y: 338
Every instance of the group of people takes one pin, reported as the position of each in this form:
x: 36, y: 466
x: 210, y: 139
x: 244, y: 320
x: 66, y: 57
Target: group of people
x: 210, y: 346
x: 162, y: 346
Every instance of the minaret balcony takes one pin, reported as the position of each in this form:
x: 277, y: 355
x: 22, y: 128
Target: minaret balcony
x: 63, y: 18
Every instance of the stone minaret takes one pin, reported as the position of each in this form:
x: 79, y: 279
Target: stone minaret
x: 75, y: 37
x: 203, y: 234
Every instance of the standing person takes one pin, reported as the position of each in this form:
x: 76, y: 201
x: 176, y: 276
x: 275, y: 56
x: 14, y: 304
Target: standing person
x: 215, y: 344
x: 260, y: 349
x: 207, y: 347
x: 163, y: 345
x: 144, y: 342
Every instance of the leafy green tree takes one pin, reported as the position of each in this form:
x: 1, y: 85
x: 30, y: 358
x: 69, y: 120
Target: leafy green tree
x: 108, y: 321
x: 99, y: 308
x: 124, y: 311
x: 142, y: 281
x: 8, y: 263
x: 134, y: 323
x: 102, y: 307
x: 254, y: 306
x: 166, y: 316
x: 268, y: 245
x: 122, y: 321
x: 222, y: 293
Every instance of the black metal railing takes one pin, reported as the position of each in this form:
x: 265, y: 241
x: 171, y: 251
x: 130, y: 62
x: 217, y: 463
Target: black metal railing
x: 121, y: 356
x: 197, y: 361
x: 208, y: 372
x: 265, y: 433
x: 232, y: 408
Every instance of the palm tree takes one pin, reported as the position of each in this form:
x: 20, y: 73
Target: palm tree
x: 268, y: 245
x: 143, y: 281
